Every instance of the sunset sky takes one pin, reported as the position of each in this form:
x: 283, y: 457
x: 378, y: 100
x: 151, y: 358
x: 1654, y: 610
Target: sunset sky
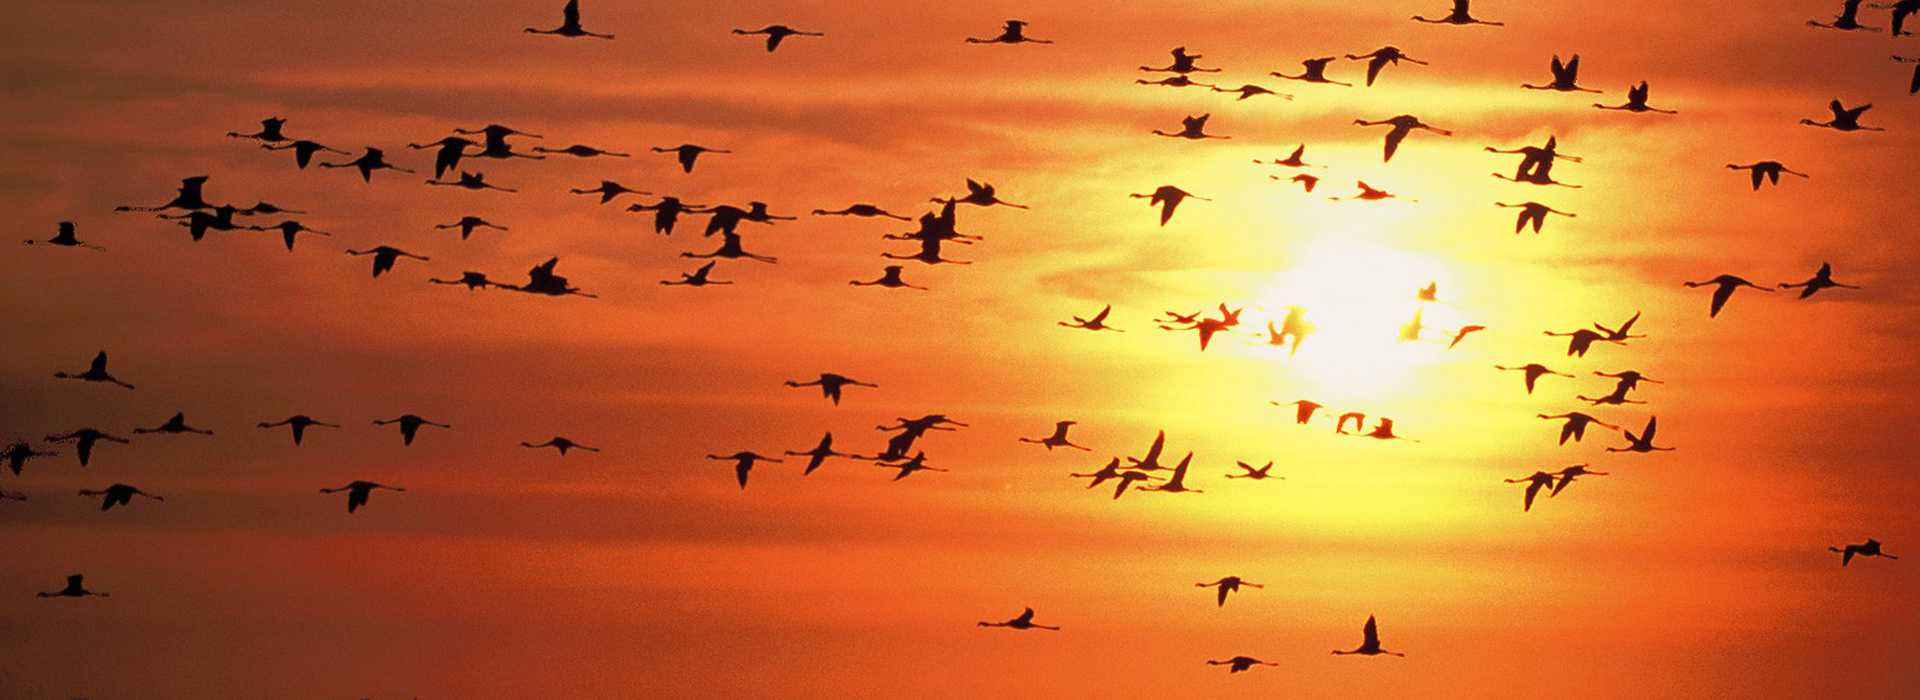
x: 645, y: 571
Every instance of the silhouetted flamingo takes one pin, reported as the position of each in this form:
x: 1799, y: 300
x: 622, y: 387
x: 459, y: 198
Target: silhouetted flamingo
x: 1642, y: 442
x: 1724, y: 286
x: 384, y: 257
x: 64, y: 237
x: 831, y: 385
x: 1636, y: 101
x: 776, y: 33
x: 1012, y: 32
x: 410, y: 425
x: 569, y: 24
x: 117, y: 495
x: 1822, y: 279
x: 174, y: 426
x: 561, y: 445
x: 743, y: 464
x: 299, y: 424
x: 83, y: 441
x: 1402, y: 126
x: 1459, y: 16
x: 1370, y: 642
x: 357, y: 492
x: 1058, y: 438
x: 1023, y: 622
x: 1379, y: 59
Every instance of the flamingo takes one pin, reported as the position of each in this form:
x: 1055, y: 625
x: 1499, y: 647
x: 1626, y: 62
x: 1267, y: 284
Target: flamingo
x: 1013, y: 31
x: 19, y: 452
x: 1314, y: 71
x: 1534, y: 372
x: 76, y: 588
x: 687, y: 153
x: 1844, y: 118
x: 1193, y: 128
x: 1370, y: 642
x: 1380, y: 58
x: 1168, y: 198
x: 1871, y: 548
x: 1459, y: 16
x: 96, y: 372
x: 831, y: 385
x: 117, y: 495
x: 410, y: 425
x: 1636, y: 101
x: 384, y: 257
x: 357, y: 492
x: 174, y: 426
x: 299, y: 425
x: 1403, y: 125
x: 1248, y: 472
x: 303, y: 151
x: 819, y: 454
x: 1724, y: 286
x: 743, y: 464
x: 83, y: 441
x: 1576, y: 425
x: 1642, y: 442
x: 697, y: 278
x: 1533, y: 212
x: 1566, y: 77
x: 270, y: 131
x: 369, y: 161
x: 1023, y: 622
x: 569, y: 24
x: 1767, y: 171
x: 1058, y: 438
x: 1822, y: 279
x: 776, y: 33
x: 64, y: 237
x: 1239, y: 663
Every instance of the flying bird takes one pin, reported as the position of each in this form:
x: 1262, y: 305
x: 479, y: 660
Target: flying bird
x: 1822, y: 279
x: 907, y: 467
x: 1459, y: 16
x: 1767, y: 171
x: 1381, y: 58
x: 1576, y: 425
x: 1023, y: 622
x: 470, y: 181
x: 1314, y: 71
x: 469, y: 279
x: 384, y: 257
x: 560, y: 444
x: 697, y: 278
x: 1642, y: 442
x: 1913, y: 88
x: 1012, y: 32
x: 174, y: 426
x: 290, y: 230
x: 299, y: 425
x: 1248, y: 472
x: 1871, y: 548
x: 865, y: 211
x: 1724, y: 286
x: 579, y: 151
x: 410, y: 425
x: 743, y: 464
x: 607, y: 190
x: 83, y: 441
x: 1539, y: 480
x: 1462, y: 334
x: 1847, y: 20
x: 369, y: 161
x: 1567, y: 476
x: 270, y: 131
x: 117, y: 495
x: 1565, y: 77
x: 96, y: 372
x: 980, y: 194
x: 1403, y: 125
x: 732, y: 249
x: 1533, y: 212
x: 447, y: 153
x: 64, y: 236
x: 819, y: 454
x: 1178, y: 482
x: 569, y: 24
x: 357, y: 492
x: 1636, y: 101
x: 76, y: 588
x: 1844, y: 118
x: 1370, y: 642
x: 1058, y: 438
x: 686, y: 153
x: 1303, y: 410
x: 19, y: 452
x: 1534, y: 372
x: 467, y: 225
x: 776, y: 33
x: 1168, y: 198
x: 1193, y: 128
x: 831, y: 385
x: 889, y: 278
x: 1097, y: 323
x: 1228, y: 584
x: 1294, y: 160
x: 1239, y: 663
x: 303, y: 151
x: 1183, y: 63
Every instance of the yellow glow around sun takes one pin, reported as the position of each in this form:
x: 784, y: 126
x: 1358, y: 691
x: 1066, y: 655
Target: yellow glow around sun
x: 1358, y: 296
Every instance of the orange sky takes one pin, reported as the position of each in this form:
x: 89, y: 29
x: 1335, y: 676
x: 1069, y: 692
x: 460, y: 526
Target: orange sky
x: 645, y: 571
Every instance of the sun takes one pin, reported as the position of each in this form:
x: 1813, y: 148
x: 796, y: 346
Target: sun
x: 1359, y: 297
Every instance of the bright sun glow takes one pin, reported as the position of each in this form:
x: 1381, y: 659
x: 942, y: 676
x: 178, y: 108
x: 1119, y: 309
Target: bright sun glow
x: 1358, y: 297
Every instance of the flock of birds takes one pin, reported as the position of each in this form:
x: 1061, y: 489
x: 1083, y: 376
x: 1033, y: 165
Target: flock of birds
x: 189, y: 208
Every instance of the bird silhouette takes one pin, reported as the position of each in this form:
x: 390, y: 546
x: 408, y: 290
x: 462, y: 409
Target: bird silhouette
x: 1151, y: 462
x: 1168, y: 198
x: 494, y: 142
x: 303, y: 151
x: 65, y: 237
x: 1913, y: 88
x: 1023, y: 622
x: 289, y: 230
x: 1565, y: 77
x: 467, y: 225
x: 1302, y: 410
x: 189, y: 197
x: 1429, y: 293
x: 96, y: 372
x: 1539, y: 480
x: 865, y: 211
x: 743, y: 464
x: 470, y: 181
x: 1536, y: 163
x: 776, y: 33
x: 471, y: 280
x: 410, y: 425
x: 1533, y: 212
x: 1383, y: 430
x: 384, y: 257
x: 83, y: 441
x: 697, y: 278
x: 1567, y: 476
x: 1580, y: 341
x: 731, y: 249
x: 174, y: 426
x: 1462, y: 334
x: 1767, y: 171
x: 1871, y: 548
x: 1636, y: 101
x: 19, y: 452
x: 372, y: 159
x: 1314, y: 71
x: 270, y: 131
x: 542, y: 280
x: 1113, y: 471
x: 117, y: 495
x: 76, y: 588
x: 1459, y: 16
x: 1628, y: 380
x: 1534, y: 372
x: 1293, y: 160
x: 579, y: 151
x: 447, y: 153
x: 1623, y: 333
x: 1821, y: 279
x: 889, y: 278
x: 1227, y: 584
x: 357, y: 492
x: 980, y: 194
x: 1058, y: 438
x: 1724, y: 286
x: 1193, y: 128
x: 1177, y: 81
x: 569, y: 24
x: 1176, y: 483
x: 819, y: 454
x: 1576, y: 425
x: 1402, y: 126
x: 1239, y: 663
x: 831, y: 385
x: 1381, y: 58
x: 607, y: 190
x: 1097, y: 323
x: 666, y: 213
x: 1618, y: 397
x: 1183, y: 63
x: 1844, y: 118
x: 561, y: 445
x: 299, y: 425
x: 1305, y: 180
x: 687, y: 154
x: 1248, y: 472
x: 198, y: 223
x: 1013, y: 31
x: 1370, y: 642
x: 1902, y: 9
x: 1369, y: 193
x: 907, y: 467
x: 1359, y: 422
x: 1249, y: 90
x: 1642, y: 442
x: 1847, y: 20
